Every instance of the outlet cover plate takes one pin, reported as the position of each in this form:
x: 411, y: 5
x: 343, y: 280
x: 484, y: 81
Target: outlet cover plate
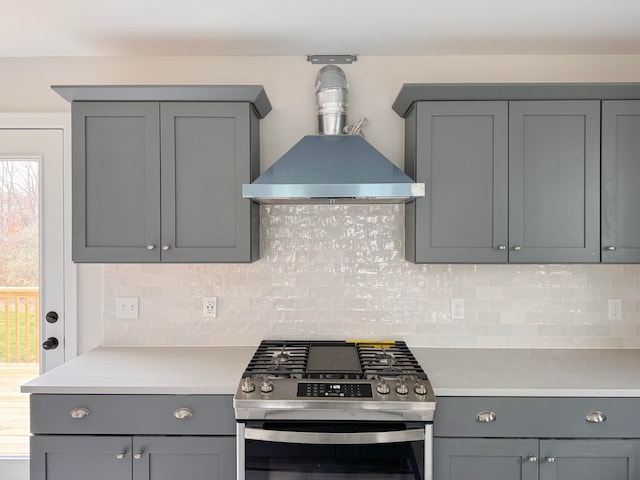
x: 127, y: 307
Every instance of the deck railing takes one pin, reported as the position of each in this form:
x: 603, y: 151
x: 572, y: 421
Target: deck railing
x: 19, y: 329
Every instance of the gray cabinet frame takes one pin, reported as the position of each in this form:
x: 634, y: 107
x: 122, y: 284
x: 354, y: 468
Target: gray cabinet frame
x: 536, y: 438
x: 620, y: 213
x: 459, y: 149
x: 506, y: 182
x: 162, y: 192
x: 132, y: 437
x: 554, y: 181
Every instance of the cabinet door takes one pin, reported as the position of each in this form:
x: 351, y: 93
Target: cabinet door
x: 55, y: 457
x: 485, y: 459
x: 620, y: 180
x: 554, y: 189
x: 116, y: 182
x: 208, y: 151
x: 589, y: 459
x: 189, y: 458
x: 459, y: 149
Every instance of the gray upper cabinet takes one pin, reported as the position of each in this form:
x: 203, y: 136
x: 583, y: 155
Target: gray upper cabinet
x: 459, y: 149
x: 620, y: 213
x: 506, y: 182
x: 554, y: 182
x: 161, y: 181
x: 116, y: 181
x: 206, y: 156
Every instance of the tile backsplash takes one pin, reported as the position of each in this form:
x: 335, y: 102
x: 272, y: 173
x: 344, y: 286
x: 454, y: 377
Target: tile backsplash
x: 338, y: 271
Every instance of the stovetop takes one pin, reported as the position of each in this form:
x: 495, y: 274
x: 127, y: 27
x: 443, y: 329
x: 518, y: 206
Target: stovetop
x: 333, y: 360
x: 317, y: 380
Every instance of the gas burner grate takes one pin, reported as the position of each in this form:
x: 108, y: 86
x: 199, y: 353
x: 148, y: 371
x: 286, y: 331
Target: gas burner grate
x: 290, y: 359
x: 389, y: 360
x: 279, y: 359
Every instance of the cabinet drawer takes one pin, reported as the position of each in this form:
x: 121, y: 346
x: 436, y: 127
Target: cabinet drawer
x: 536, y: 417
x: 133, y: 414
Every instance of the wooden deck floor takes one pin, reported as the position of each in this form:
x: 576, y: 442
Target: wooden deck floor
x: 14, y: 408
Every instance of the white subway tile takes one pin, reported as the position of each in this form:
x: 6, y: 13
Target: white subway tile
x: 337, y: 271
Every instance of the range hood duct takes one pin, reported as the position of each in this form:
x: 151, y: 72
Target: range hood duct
x: 333, y: 167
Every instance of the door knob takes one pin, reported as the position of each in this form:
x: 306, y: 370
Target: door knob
x: 51, y: 317
x: 50, y: 343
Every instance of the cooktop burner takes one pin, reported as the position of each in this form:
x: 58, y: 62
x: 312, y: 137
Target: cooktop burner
x: 333, y: 360
x: 339, y: 380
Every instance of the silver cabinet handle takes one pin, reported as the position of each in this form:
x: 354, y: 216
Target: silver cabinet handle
x: 165, y: 247
x: 355, y: 438
x: 486, y: 417
x: 596, y: 417
x: 532, y: 458
x: 151, y: 247
x: 137, y: 455
x: 121, y: 455
x: 551, y: 459
x: 611, y: 248
x: 183, y: 413
x: 502, y: 247
x: 517, y: 248
x: 80, y: 412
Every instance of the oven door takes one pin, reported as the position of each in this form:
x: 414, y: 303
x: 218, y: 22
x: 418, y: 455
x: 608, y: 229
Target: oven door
x: 336, y: 450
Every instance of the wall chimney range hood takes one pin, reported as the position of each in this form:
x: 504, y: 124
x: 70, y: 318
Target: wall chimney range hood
x: 333, y: 167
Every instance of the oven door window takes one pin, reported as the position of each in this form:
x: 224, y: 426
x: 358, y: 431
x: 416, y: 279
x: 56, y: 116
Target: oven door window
x: 295, y: 459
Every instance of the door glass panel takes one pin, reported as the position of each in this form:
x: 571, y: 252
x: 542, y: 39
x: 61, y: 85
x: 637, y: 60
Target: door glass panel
x: 19, y: 297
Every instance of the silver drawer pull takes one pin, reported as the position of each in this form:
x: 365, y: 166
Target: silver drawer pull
x: 518, y: 248
x: 596, y: 417
x: 183, y: 413
x: 137, y: 455
x: 502, y: 247
x: 486, y: 417
x: 80, y: 412
x: 532, y: 458
x: 551, y: 459
x: 121, y: 455
x: 611, y: 248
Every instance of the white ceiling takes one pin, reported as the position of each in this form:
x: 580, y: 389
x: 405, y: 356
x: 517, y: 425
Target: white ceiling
x: 301, y: 27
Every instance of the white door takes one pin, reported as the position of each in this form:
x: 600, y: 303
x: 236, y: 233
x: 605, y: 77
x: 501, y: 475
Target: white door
x: 34, y: 289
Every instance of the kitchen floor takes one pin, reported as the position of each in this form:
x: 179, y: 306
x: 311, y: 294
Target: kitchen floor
x: 14, y: 408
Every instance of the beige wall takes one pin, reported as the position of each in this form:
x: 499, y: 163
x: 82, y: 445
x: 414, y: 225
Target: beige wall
x: 374, y: 81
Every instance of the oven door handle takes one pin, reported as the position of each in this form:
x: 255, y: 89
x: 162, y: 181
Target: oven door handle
x: 338, y: 438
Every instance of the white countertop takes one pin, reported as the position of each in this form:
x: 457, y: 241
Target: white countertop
x: 531, y: 372
x: 452, y: 371
x: 153, y: 370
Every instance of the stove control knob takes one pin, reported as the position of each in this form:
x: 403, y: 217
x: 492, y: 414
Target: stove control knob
x: 401, y: 387
x: 266, y: 386
x: 247, y: 385
x: 420, y: 388
x: 382, y: 387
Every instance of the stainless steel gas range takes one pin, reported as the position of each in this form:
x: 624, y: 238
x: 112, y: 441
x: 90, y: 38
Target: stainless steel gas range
x: 332, y: 409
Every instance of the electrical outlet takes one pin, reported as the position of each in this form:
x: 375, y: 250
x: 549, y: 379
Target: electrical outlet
x: 127, y: 307
x: 210, y: 307
x: 615, y: 309
x: 457, y: 309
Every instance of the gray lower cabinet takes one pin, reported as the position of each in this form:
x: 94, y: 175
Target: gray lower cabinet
x: 162, y: 181
x: 137, y: 458
x: 520, y: 438
x: 485, y: 459
x: 533, y: 459
x: 620, y: 178
x: 132, y: 437
x: 507, y: 181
